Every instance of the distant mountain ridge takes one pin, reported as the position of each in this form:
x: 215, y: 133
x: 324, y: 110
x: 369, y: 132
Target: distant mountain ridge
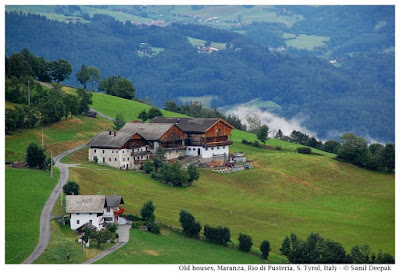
x: 337, y: 99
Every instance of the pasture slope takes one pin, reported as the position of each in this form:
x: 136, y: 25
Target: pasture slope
x: 285, y: 192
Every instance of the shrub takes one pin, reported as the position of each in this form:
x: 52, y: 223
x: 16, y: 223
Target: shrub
x: 154, y: 228
x: 256, y: 144
x: 218, y: 235
x: 71, y: 188
x: 193, y: 172
x: 265, y: 249
x: 245, y: 242
x: 112, y: 227
x: 132, y: 217
x: 189, y: 225
x: 278, y: 148
x: 148, y: 166
x: 147, y: 210
x: 96, y: 160
x: 35, y: 156
x: 304, y: 150
x: 244, y: 141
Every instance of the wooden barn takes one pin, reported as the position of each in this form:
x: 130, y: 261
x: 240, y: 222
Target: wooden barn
x: 207, y: 137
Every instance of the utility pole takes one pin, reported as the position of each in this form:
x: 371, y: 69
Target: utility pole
x: 51, y: 164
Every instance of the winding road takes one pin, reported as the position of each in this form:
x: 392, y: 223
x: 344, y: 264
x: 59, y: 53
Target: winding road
x: 45, y: 216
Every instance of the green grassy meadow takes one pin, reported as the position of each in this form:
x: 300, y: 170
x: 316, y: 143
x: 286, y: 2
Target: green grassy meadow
x: 206, y: 99
x: 26, y: 192
x: 58, y: 137
x: 174, y: 248
x: 111, y: 105
x: 303, y: 41
x: 258, y: 103
x: 285, y: 192
x: 200, y: 42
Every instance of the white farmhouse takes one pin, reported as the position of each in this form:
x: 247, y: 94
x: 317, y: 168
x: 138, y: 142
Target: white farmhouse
x: 95, y: 210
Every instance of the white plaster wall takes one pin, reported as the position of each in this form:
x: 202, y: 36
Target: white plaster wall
x: 83, y: 219
x: 207, y: 152
x: 174, y: 153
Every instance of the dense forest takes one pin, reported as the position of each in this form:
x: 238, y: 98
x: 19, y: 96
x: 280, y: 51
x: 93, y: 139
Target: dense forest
x: 357, y: 96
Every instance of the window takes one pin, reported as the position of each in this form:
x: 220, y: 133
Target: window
x: 109, y: 159
x: 190, y: 149
x: 223, y: 147
x: 206, y: 148
x: 103, y: 150
x: 90, y: 213
x: 138, y: 149
x: 217, y: 147
x: 94, y: 151
x: 115, y: 159
x: 112, y: 151
x: 123, y: 151
x: 212, y: 148
x: 141, y: 157
x: 128, y: 158
x: 77, y: 222
x: 123, y: 159
x: 77, y: 213
x: 108, y: 209
x: 90, y: 221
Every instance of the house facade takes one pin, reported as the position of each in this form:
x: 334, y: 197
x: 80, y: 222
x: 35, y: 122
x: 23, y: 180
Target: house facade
x: 135, y: 143
x: 207, y: 137
x: 95, y: 210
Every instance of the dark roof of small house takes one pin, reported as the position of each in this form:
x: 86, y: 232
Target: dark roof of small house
x: 104, y: 140
x: 114, y: 201
x: 149, y: 132
x: 190, y: 124
x: 85, y: 203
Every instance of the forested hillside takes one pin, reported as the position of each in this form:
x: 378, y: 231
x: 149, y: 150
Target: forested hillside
x: 356, y: 96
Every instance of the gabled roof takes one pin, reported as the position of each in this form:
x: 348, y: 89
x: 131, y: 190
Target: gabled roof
x: 191, y: 124
x: 146, y: 130
x: 150, y: 132
x: 114, y: 201
x: 85, y: 203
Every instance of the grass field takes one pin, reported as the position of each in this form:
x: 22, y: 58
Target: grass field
x: 111, y: 105
x: 174, y: 248
x: 26, y: 192
x: 285, y: 192
x: 63, y: 240
x: 303, y: 41
x: 57, y: 137
x: 200, y: 42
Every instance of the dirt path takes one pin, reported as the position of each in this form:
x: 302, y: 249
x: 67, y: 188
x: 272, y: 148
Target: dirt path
x: 102, y: 115
x: 48, y: 207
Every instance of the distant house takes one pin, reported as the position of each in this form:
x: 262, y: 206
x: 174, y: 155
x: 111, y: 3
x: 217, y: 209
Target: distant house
x: 136, y: 142
x: 207, y: 137
x: 95, y: 210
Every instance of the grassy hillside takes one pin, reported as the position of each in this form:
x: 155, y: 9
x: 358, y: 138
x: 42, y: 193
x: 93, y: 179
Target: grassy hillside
x: 58, y: 137
x: 174, y: 248
x: 285, y: 192
x: 26, y: 192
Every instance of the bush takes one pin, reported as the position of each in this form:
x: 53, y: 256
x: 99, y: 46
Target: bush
x: 256, y: 144
x: 193, y: 172
x: 154, y: 228
x: 189, y: 225
x: 304, y: 150
x: 244, y: 141
x: 245, y: 242
x: 112, y: 227
x: 148, y: 166
x: 35, y: 156
x: 71, y: 188
x: 265, y: 249
x: 147, y: 210
x: 219, y: 235
x: 132, y: 217
x: 278, y: 148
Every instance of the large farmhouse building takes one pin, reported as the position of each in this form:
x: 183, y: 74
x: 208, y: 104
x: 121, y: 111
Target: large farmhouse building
x: 137, y: 142
x: 207, y: 137
x: 95, y: 210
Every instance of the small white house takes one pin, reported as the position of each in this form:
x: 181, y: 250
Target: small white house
x: 95, y: 210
